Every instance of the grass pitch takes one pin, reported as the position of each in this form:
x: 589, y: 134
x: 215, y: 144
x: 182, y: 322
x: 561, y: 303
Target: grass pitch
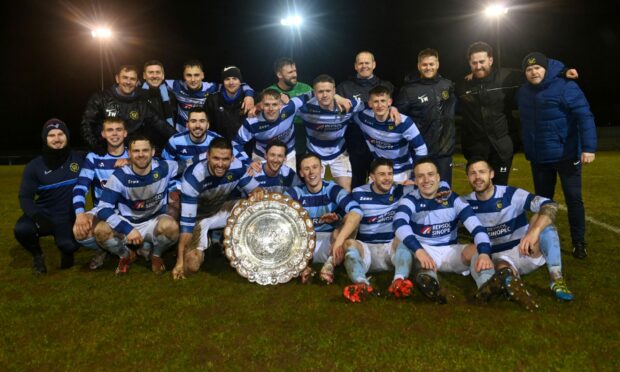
x: 215, y: 320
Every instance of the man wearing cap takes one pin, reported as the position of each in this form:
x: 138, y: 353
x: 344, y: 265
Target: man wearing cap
x: 225, y: 107
x: 559, y: 135
x: 45, y: 196
x: 123, y: 101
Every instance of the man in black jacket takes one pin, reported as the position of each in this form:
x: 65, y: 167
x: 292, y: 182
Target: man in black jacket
x: 486, y: 102
x: 429, y: 100
x: 224, y: 107
x: 122, y: 100
x: 45, y: 196
x: 156, y: 92
x: 358, y: 86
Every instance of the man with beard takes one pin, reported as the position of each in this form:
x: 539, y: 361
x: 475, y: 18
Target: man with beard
x: 123, y: 101
x: 375, y: 248
x: 206, y: 196
x: 487, y: 101
x: 45, y: 197
x: 358, y: 87
x: 428, y: 99
x: 286, y: 72
x: 133, y: 205
x: 518, y: 248
x: 95, y: 173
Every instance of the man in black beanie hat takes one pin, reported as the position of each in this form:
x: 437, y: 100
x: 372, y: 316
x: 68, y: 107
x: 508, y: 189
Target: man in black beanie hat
x: 224, y: 108
x: 45, y: 196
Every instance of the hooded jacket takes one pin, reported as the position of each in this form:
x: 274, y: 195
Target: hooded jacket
x: 556, y: 121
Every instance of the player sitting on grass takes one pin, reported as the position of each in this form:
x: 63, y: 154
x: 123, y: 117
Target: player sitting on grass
x: 517, y: 248
x: 426, y: 222
x: 325, y: 202
x: 375, y: 248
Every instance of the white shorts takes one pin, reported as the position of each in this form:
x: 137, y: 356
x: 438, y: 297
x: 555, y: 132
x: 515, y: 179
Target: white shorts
x: 377, y: 257
x: 217, y: 221
x: 147, y: 228
x: 323, y: 247
x: 402, y: 176
x: 523, y: 264
x: 339, y: 166
x: 291, y: 160
x: 448, y: 258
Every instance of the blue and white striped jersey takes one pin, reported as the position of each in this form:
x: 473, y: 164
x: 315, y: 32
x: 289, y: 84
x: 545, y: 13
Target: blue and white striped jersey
x: 181, y: 147
x: 187, y: 98
x: 136, y: 198
x: 379, y: 211
x: 325, y: 129
x: 285, y: 178
x: 331, y: 198
x: 401, y: 143
x: 203, y: 194
x: 95, y: 171
x: 504, y: 214
x: 434, y: 222
x: 264, y: 131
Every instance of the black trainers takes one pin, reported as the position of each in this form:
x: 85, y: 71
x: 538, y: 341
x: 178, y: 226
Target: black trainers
x: 429, y: 287
x: 66, y: 261
x: 579, y: 250
x: 38, y: 264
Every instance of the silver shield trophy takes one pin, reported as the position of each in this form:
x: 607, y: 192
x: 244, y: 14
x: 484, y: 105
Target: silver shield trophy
x: 269, y: 241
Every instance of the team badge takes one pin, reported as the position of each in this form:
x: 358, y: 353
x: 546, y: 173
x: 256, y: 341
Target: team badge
x: 75, y: 167
x: 445, y: 95
x: 391, y: 127
x: 531, y: 61
x: 391, y: 198
x: 444, y: 203
x: 229, y: 176
x: 499, y: 205
x: 133, y: 115
x: 155, y: 175
x: 283, y: 116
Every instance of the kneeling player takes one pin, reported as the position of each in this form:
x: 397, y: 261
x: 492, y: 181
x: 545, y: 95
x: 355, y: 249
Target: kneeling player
x: 375, y: 248
x: 518, y: 248
x: 426, y: 223
x: 133, y: 205
x: 95, y: 171
x: 325, y: 202
x: 206, y: 196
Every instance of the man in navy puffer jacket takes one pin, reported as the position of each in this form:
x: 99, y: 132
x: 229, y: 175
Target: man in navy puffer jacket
x: 559, y: 135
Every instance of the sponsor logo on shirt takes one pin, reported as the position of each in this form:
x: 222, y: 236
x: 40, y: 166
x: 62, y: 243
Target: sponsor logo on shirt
x: 148, y: 203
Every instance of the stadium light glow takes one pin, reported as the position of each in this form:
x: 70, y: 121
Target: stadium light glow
x: 292, y: 21
x: 101, y: 33
x: 495, y: 10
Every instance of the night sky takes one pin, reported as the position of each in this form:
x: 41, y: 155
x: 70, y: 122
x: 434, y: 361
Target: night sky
x: 51, y: 63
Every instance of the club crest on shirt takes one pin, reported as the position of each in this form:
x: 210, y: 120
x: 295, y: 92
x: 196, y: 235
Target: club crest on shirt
x: 134, y: 115
x: 445, y: 95
x: 74, y: 167
x: 499, y: 205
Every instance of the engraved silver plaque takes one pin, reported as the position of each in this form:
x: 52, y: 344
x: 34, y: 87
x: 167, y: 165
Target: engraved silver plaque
x: 269, y: 241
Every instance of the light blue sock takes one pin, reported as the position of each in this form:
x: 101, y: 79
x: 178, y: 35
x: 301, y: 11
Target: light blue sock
x: 161, y: 244
x: 116, y: 246
x: 355, y: 266
x: 402, y: 260
x: 90, y: 243
x: 480, y: 277
x: 550, y: 248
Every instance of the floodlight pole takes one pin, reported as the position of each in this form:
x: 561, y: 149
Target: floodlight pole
x: 499, y: 53
x: 101, y: 61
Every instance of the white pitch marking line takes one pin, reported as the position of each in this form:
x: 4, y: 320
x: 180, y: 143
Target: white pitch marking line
x: 594, y: 221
